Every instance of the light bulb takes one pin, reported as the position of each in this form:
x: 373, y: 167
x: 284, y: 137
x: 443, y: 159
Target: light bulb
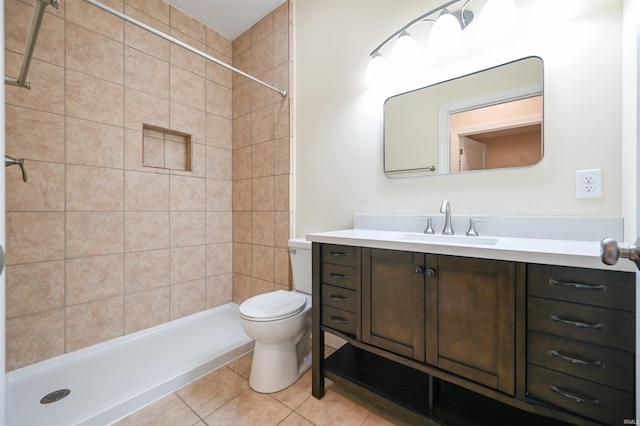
x: 405, y: 52
x: 445, y: 33
x: 498, y: 16
x: 377, y: 69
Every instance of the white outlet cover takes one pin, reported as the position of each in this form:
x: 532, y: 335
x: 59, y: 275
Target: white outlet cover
x: 589, y: 183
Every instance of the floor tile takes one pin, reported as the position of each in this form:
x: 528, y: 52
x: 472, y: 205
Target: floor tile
x: 168, y: 411
x: 250, y: 408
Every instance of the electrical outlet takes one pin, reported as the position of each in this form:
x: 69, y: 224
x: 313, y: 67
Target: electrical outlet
x: 589, y: 183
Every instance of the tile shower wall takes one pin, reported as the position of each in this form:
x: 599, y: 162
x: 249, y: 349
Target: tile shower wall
x: 262, y: 158
x: 98, y: 245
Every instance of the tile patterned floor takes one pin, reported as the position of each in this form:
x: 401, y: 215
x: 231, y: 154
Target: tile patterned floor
x: 224, y: 397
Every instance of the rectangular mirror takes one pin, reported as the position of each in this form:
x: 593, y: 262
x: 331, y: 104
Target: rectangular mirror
x: 490, y: 119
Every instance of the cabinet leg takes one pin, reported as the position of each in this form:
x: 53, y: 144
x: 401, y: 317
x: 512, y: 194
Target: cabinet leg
x: 317, y: 364
x: 434, y: 393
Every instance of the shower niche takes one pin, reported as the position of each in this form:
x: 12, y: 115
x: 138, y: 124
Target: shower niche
x: 166, y: 149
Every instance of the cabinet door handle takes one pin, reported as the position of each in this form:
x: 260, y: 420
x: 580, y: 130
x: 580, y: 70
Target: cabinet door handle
x: 339, y: 253
x: 598, y: 287
x: 598, y: 326
x: 339, y: 298
x: 339, y: 320
x: 338, y: 276
x: 575, y: 398
x: 577, y: 361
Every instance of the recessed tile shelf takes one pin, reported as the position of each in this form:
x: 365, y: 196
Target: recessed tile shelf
x: 165, y: 148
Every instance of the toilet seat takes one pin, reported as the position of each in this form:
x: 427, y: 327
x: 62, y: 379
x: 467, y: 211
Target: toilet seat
x: 273, y: 306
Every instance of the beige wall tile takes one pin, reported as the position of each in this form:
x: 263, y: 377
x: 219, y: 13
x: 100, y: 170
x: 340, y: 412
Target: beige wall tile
x: 145, y: 41
x: 34, y: 236
x: 81, y: 94
x: 281, y: 16
x: 282, y: 156
x: 94, y: 233
x: 157, y: 9
x: 44, y: 190
x: 262, y: 193
x: 262, y: 125
x: 262, y: 53
x: 281, y: 268
x: 241, y: 287
x: 220, y: 44
x: 242, y: 131
x: 219, y: 257
x: 185, y: 58
x: 146, y: 191
x: 217, y: 73
x: 282, y: 120
x: 241, y: 44
x: 142, y: 108
x: 262, y: 159
x: 146, y: 231
x: 188, y: 264
x: 34, y: 287
x: 259, y: 286
x: 241, y: 259
x: 47, y: 85
x: 187, y: 193
x: 219, y: 227
x: 146, y: 73
x: 219, y: 290
x: 94, y: 278
x: 218, y: 195
x: 145, y: 270
x: 262, y: 29
x: 187, y: 298
x: 262, y: 262
x: 34, y: 338
x: 281, y: 45
x: 262, y: 228
x: 94, y: 189
x: 242, y: 163
x: 219, y: 163
x: 188, y: 120
x: 242, y: 99
x: 82, y: 56
x: 94, y: 19
x: 218, y: 100
x: 242, y: 227
x: 187, y: 25
x: 283, y: 229
x: 187, y: 88
x: 282, y: 192
x: 187, y: 228
x: 94, y: 322
x: 146, y: 309
x: 94, y: 144
x: 219, y: 131
x: 24, y: 130
x: 262, y: 96
x: 242, y: 195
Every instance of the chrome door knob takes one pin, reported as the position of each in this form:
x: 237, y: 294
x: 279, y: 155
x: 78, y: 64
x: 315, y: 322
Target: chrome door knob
x: 610, y: 252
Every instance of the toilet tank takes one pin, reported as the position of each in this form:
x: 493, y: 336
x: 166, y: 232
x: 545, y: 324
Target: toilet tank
x: 300, y: 254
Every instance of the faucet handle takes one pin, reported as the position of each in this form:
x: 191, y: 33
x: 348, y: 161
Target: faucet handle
x: 429, y: 228
x: 472, y: 227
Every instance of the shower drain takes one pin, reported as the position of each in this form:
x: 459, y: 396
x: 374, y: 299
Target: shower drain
x: 55, y: 396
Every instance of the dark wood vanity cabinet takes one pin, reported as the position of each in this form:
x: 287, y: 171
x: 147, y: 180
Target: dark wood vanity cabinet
x: 549, y: 340
x: 471, y: 320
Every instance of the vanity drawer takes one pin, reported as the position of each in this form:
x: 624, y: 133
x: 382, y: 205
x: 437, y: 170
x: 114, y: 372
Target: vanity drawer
x: 588, y: 399
x: 596, y: 363
x: 608, y: 289
x: 341, y: 276
x: 606, y: 327
x: 339, y: 297
x: 338, y: 319
x: 339, y: 255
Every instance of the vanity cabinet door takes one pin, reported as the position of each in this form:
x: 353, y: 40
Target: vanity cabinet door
x: 471, y: 320
x: 393, y: 301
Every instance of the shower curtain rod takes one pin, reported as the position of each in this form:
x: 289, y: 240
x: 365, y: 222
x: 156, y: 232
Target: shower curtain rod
x: 34, y: 29
x: 180, y: 43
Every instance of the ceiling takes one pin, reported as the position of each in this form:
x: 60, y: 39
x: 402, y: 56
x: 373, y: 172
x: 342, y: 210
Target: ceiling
x: 230, y: 18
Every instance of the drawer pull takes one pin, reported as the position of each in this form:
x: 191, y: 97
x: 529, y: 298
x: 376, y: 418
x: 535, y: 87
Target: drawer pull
x: 338, y: 276
x: 598, y: 326
x: 598, y: 287
x: 339, y: 253
x: 577, y: 361
x: 339, y: 320
x: 339, y: 298
x: 575, y: 398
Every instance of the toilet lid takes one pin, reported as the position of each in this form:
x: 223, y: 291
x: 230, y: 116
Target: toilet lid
x: 273, y: 305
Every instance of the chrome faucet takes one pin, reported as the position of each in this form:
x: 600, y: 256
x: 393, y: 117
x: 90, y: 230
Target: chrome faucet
x: 446, y: 209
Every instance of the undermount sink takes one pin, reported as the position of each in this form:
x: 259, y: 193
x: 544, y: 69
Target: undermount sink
x: 446, y: 239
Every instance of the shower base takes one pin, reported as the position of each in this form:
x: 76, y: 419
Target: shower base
x: 111, y: 380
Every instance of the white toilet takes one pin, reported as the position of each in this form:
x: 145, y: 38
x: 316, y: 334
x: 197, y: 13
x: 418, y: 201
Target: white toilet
x: 280, y: 324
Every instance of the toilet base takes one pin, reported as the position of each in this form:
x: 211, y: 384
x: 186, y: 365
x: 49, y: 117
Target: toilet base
x: 278, y: 366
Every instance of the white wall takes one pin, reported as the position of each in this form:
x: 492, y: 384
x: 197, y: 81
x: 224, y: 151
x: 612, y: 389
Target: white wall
x: 338, y: 118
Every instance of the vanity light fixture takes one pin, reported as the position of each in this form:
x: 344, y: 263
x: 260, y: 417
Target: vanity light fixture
x: 448, y: 25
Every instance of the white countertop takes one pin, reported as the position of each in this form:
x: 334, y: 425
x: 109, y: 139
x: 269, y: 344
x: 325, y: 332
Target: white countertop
x: 584, y: 254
